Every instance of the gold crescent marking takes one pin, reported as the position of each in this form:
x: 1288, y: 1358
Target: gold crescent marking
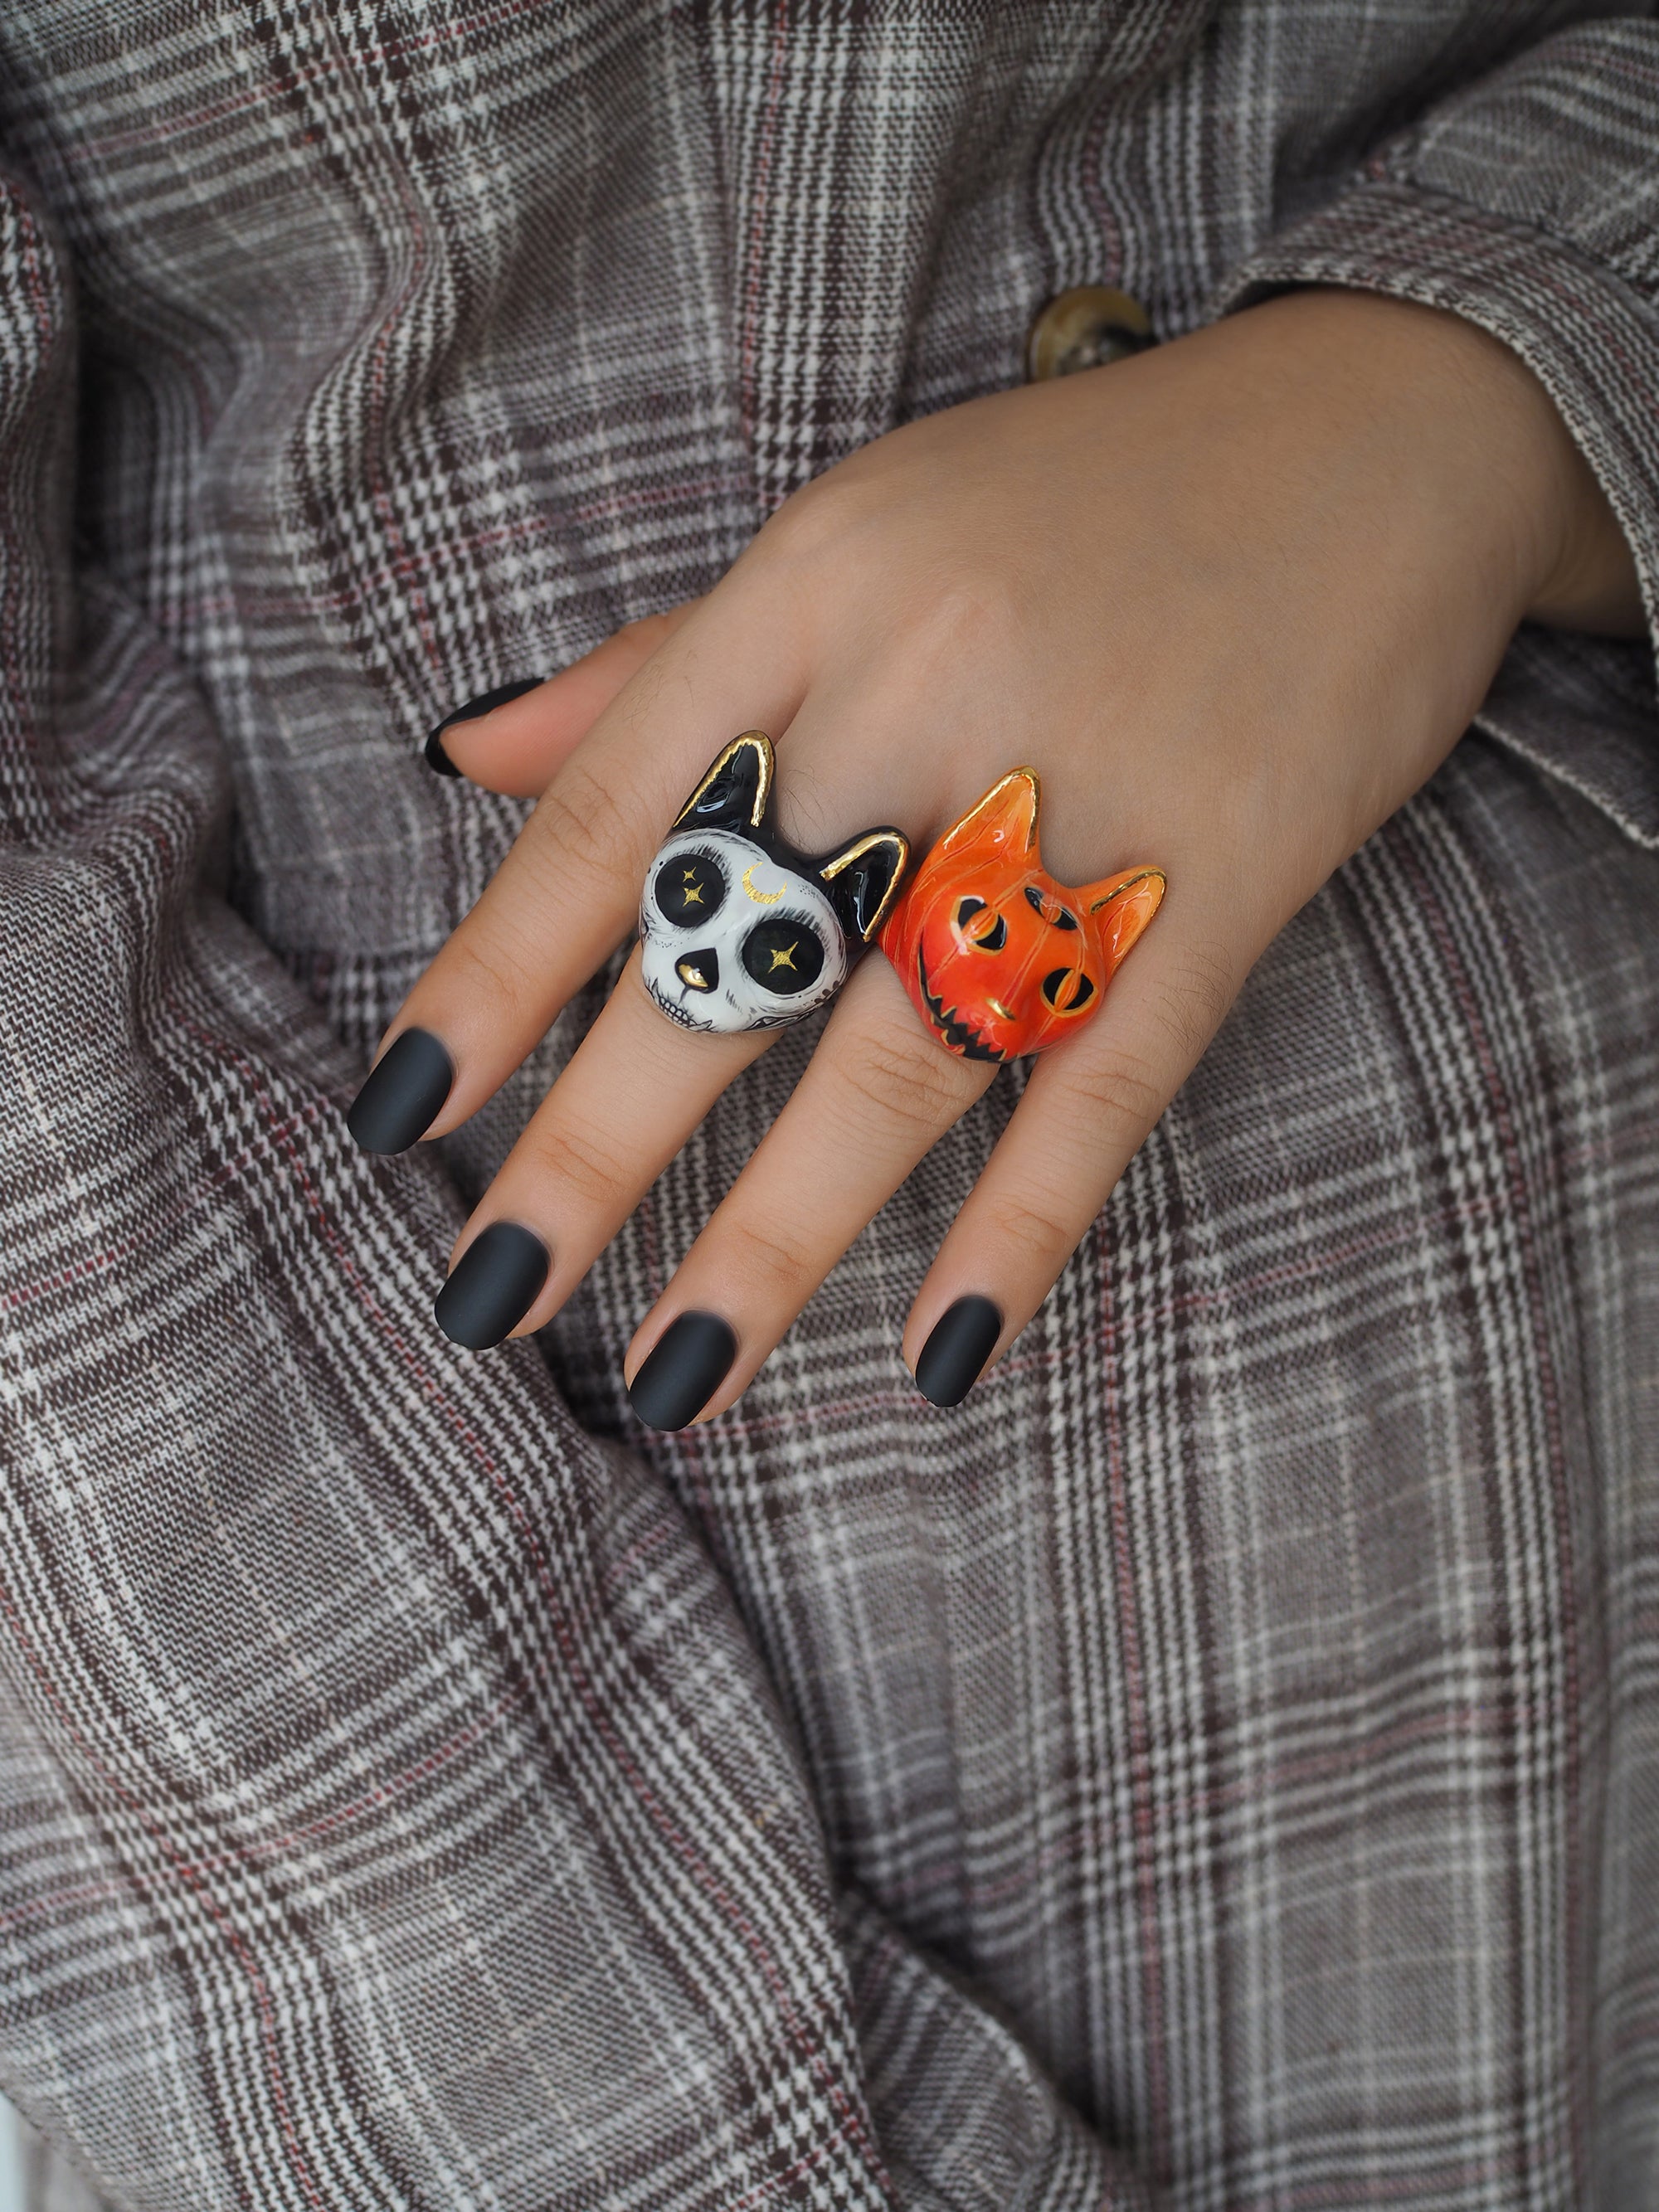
x: 761, y: 898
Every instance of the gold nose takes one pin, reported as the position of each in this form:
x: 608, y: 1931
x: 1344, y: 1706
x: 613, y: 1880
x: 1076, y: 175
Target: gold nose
x: 698, y: 971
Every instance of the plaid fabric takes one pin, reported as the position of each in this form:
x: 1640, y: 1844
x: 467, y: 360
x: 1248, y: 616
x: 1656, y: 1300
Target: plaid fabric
x: 1218, y: 1768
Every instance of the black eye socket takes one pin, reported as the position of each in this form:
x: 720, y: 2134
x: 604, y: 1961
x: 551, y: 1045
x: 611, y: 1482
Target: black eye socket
x: 991, y: 940
x: 689, y: 888
x: 784, y: 956
x: 1058, y: 919
x: 1065, y: 1001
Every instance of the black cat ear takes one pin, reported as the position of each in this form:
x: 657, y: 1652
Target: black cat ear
x: 861, y: 878
x: 733, y: 795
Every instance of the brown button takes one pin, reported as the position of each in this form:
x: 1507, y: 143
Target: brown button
x: 1083, y: 328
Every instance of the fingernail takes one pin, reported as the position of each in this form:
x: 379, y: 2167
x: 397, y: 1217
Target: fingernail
x: 495, y: 1282
x: 953, y: 1358
x: 685, y: 1368
x: 406, y: 1086
x: 436, y: 757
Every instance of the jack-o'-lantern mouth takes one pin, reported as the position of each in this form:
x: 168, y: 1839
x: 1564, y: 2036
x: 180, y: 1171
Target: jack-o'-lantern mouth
x: 961, y: 1035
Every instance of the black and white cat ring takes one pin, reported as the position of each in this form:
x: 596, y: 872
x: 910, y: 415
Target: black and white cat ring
x: 738, y: 929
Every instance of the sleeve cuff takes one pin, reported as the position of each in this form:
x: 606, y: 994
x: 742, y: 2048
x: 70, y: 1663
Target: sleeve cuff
x: 1583, y: 709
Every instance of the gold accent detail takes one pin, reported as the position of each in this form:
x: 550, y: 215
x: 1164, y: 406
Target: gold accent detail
x: 691, y: 975
x: 762, y: 744
x: 997, y: 1007
x: 786, y: 959
x: 761, y: 898
x: 692, y: 897
x: 1035, y: 782
x: 857, y: 850
x: 1142, y: 876
x: 990, y: 804
x: 1079, y: 1002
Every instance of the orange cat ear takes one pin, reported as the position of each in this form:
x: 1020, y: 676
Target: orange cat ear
x: 1004, y: 820
x: 1121, y: 907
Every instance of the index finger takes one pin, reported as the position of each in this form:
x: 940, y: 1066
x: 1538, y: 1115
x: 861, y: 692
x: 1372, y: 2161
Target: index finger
x: 568, y: 890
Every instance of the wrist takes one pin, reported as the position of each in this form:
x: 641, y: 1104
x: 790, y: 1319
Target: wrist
x: 1593, y: 584
x: 1572, y: 565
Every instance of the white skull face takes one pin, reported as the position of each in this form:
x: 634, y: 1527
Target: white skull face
x: 731, y: 940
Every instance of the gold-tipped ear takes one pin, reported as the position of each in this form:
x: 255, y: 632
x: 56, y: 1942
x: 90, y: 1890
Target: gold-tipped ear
x: 1008, y: 812
x: 1103, y: 894
x: 894, y: 847
x: 1131, y: 901
x: 751, y: 741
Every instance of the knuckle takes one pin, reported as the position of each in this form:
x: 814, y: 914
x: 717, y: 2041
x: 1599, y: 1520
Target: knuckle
x: 580, y: 823
x: 1031, y: 1229
x: 1193, y: 999
x: 906, y: 1080
x: 1119, y: 1088
x: 819, y: 525
x: 580, y: 1161
x: 771, y: 1254
x: 964, y: 615
x: 502, y: 967
x: 647, y: 632
x: 809, y: 520
x: 1202, y: 989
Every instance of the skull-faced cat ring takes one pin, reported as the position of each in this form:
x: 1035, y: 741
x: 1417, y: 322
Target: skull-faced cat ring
x: 999, y: 958
x: 738, y: 929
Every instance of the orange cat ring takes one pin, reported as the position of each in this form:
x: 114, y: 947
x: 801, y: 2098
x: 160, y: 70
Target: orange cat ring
x: 1000, y: 959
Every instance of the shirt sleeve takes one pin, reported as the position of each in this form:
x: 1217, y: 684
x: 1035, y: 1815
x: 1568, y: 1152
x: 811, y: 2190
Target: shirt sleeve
x: 392, y: 1810
x: 1529, y: 202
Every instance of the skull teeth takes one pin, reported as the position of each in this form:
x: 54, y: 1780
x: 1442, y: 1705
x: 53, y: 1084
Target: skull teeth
x: 961, y: 1036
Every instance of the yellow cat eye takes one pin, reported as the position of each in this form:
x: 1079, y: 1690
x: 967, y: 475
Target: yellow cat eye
x: 981, y: 926
x: 1068, y: 990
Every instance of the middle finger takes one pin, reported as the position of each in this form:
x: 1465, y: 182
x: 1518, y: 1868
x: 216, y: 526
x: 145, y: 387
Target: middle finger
x: 875, y: 1096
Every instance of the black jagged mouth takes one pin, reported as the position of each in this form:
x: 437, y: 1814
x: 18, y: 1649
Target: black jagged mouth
x: 676, y: 1013
x: 961, y: 1036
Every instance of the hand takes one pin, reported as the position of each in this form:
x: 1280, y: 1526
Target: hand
x: 1235, y: 599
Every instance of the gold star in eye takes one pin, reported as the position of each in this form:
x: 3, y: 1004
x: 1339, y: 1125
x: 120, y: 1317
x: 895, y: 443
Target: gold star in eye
x: 692, y: 897
x: 688, y: 876
x: 785, y: 958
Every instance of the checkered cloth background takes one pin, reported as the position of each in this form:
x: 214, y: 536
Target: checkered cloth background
x: 1218, y: 1768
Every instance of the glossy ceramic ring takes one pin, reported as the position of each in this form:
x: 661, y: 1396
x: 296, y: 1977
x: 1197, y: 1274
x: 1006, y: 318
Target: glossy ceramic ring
x: 740, y: 930
x: 999, y: 958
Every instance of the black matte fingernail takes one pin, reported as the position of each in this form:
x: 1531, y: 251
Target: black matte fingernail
x: 436, y: 757
x: 953, y: 1358
x: 684, y: 1370
x: 495, y: 1282
x: 406, y: 1086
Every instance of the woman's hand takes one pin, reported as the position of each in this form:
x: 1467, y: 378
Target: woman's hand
x: 1235, y: 599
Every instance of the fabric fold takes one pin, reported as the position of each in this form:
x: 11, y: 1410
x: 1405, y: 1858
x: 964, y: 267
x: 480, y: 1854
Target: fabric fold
x: 1554, y: 255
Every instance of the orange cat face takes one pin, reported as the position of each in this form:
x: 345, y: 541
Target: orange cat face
x: 1000, y: 959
